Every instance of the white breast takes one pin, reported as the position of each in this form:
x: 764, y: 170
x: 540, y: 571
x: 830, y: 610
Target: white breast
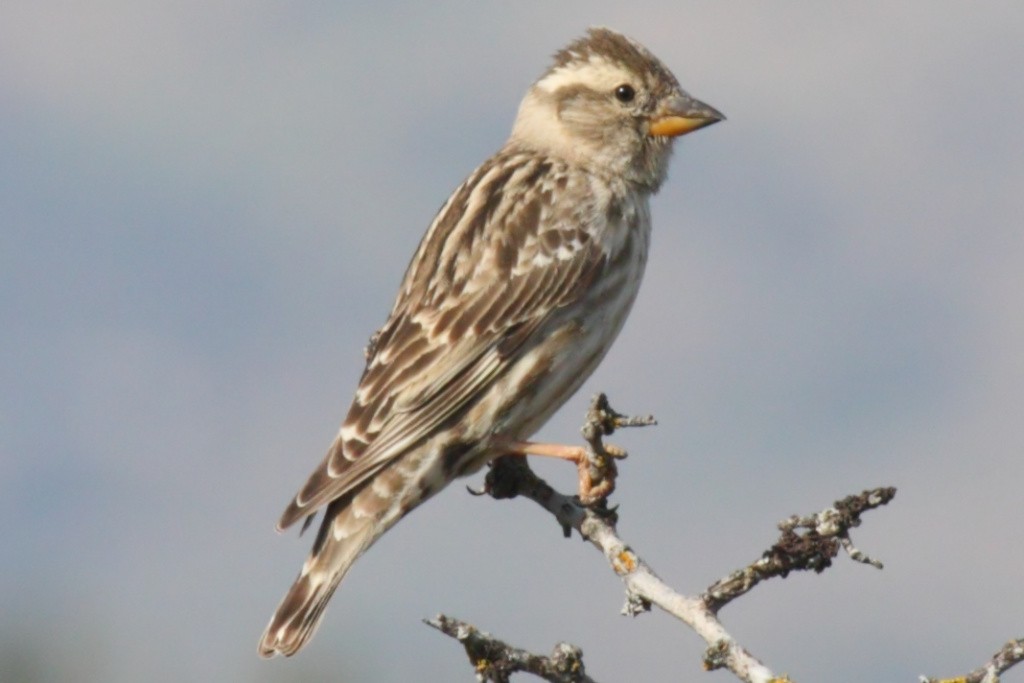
x: 568, y: 349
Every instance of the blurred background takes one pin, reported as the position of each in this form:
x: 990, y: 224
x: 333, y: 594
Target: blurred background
x: 205, y: 211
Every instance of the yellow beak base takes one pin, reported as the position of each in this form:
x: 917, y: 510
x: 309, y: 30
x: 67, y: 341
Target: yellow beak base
x: 674, y: 126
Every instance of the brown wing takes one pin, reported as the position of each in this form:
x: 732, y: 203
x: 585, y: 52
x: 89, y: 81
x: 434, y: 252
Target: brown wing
x: 496, y: 262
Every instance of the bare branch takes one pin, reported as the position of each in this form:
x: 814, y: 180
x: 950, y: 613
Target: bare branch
x: 806, y: 543
x: 495, y: 661
x: 1008, y: 655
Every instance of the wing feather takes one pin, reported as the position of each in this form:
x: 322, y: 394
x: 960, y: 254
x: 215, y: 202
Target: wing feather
x: 495, y: 264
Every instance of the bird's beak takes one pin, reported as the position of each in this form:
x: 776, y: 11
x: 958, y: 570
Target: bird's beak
x: 681, y: 114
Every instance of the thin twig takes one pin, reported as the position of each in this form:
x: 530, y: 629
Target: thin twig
x: 495, y: 661
x: 1008, y: 656
x: 806, y: 543
x: 643, y: 587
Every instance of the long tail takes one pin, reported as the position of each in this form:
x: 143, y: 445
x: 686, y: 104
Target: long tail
x: 345, y: 533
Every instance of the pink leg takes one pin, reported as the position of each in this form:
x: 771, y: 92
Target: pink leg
x: 596, y: 481
x: 550, y: 450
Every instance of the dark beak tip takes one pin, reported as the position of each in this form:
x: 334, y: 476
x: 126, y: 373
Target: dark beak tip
x: 713, y: 114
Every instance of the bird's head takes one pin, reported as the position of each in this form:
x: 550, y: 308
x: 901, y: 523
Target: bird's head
x: 609, y: 105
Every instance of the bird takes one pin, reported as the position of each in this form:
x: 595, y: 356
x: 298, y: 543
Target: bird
x: 516, y: 292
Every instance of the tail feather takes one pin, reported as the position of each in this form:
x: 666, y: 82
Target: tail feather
x: 343, y: 537
x: 350, y: 526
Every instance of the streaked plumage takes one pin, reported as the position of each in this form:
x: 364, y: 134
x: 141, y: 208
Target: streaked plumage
x: 514, y: 296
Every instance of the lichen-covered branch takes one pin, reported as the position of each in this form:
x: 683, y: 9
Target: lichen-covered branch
x: 806, y: 543
x: 511, y: 476
x: 1008, y: 656
x: 495, y: 661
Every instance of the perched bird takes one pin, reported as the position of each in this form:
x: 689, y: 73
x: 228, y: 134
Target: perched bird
x: 513, y: 297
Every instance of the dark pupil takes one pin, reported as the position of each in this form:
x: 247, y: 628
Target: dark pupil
x: 625, y: 93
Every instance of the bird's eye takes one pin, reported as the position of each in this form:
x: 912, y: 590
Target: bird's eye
x: 625, y: 93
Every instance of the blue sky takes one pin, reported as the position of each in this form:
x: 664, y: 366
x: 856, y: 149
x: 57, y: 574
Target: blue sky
x: 206, y: 210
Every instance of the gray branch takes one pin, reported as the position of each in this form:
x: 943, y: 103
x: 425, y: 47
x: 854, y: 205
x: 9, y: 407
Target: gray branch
x: 1008, y: 655
x: 806, y: 543
x: 495, y: 661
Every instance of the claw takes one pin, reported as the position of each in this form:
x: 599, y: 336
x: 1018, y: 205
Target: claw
x: 615, y: 452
